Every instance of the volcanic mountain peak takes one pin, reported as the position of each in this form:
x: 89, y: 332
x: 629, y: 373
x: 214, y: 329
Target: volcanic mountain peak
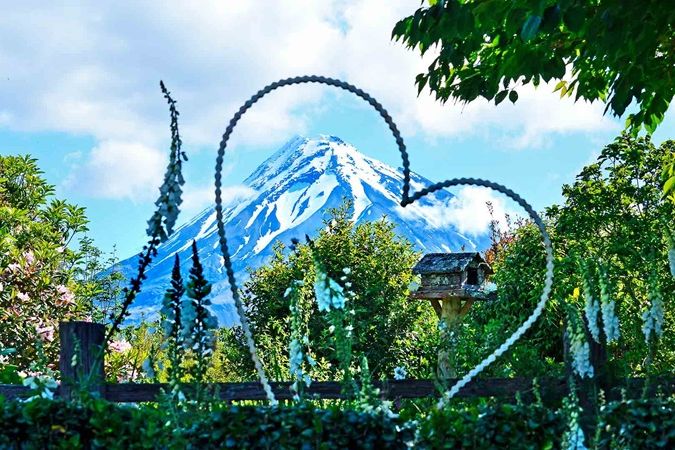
x: 292, y: 191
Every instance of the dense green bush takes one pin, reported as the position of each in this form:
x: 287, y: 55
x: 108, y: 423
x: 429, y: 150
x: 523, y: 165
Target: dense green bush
x: 388, y: 328
x: 41, y: 423
x: 645, y: 423
x: 493, y: 426
x: 44, y: 277
x: 56, y: 424
x: 613, y: 215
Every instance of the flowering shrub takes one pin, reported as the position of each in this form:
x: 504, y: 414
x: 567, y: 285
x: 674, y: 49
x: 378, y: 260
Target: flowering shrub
x: 579, y: 346
x: 183, y: 351
x: 163, y: 219
x: 172, y: 328
x: 198, y: 321
x: 612, y: 235
x: 573, y: 437
x: 610, y: 321
x: 299, y: 359
x: 652, y: 318
x: 591, y: 303
x: 400, y: 373
x: 43, y: 279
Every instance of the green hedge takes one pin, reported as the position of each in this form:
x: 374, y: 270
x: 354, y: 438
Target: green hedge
x: 57, y: 424
x: 493, y: 426
x: 638, y: 424
x: 44, y: 423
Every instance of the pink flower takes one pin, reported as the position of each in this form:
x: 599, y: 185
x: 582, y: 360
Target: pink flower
x: 23, y: 297
x: 46, y: 333
x: 120, y: 346
x: 29, y: 257
x: 66, y: 295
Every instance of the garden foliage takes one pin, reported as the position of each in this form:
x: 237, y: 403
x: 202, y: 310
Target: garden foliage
x: 611, y: 236
x: 338, y: 307
x: 40, y: 423
x: 371, y: 263
x: 614, y: 51
x: 44, y: 276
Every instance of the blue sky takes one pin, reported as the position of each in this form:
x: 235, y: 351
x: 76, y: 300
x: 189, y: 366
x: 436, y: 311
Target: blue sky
x: 79, y: 91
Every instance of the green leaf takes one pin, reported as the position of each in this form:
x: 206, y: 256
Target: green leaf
x: 530, y: 28
x: 574, y: 18
x: 513, y: 96
x: 500, y: 97
x: 669, y: 186
x: 421, y: 81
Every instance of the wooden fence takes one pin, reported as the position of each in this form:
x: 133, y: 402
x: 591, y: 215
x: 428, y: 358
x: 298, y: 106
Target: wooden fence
x: 80, y: 342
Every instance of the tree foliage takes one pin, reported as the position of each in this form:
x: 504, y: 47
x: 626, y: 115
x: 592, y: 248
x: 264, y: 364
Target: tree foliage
x: 668, y: 178
x: 44, y: 278
x: 388, y: 328
x: 616, y: 51
x: 614, y: 214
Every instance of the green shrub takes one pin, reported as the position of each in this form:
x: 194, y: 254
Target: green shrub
x: 618, y: 198
x: 644, y: 424
x: 42, y: 423
x: 43, y: 279
x: 493, y: 426
x: 388, y: 328
x: 56, y: 424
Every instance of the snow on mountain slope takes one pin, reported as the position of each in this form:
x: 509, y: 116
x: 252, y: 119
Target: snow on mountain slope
x: 293, y: 191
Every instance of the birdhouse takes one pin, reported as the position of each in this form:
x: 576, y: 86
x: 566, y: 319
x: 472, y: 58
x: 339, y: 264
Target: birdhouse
x: 461, y: 276
x: 452, y: 282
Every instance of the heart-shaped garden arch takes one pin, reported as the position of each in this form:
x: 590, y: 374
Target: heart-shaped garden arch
x: 405, y: 200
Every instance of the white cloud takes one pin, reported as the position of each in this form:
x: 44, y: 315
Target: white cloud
x: 468, y: 211
x: 93, y: 68
x: 117, y: 170
x: 388, y: 71
x: 124, y: 170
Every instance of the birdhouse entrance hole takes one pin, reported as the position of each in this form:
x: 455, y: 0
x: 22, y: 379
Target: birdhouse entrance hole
x: 472, y: 276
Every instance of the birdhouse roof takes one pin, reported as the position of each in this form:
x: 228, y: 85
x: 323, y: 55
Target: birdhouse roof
x: 448, y: 262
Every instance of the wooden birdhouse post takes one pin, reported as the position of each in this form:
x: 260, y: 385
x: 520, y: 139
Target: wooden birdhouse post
x: 452, y: 282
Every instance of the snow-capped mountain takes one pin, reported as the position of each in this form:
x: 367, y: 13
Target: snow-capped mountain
x: 293, y: 190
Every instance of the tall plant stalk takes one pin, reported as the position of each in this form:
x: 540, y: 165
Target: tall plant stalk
x: 199, y: 322
x: 160, y: 225
x: 172, y: 324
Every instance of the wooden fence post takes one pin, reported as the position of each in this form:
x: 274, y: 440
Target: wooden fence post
x: 81, y: 357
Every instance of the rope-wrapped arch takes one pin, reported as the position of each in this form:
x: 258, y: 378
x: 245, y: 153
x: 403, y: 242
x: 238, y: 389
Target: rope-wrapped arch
x: 405, y: 200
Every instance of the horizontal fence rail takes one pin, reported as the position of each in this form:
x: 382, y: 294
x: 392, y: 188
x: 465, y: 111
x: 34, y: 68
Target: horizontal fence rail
x: 390, y: 389
x: 83, y: 340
